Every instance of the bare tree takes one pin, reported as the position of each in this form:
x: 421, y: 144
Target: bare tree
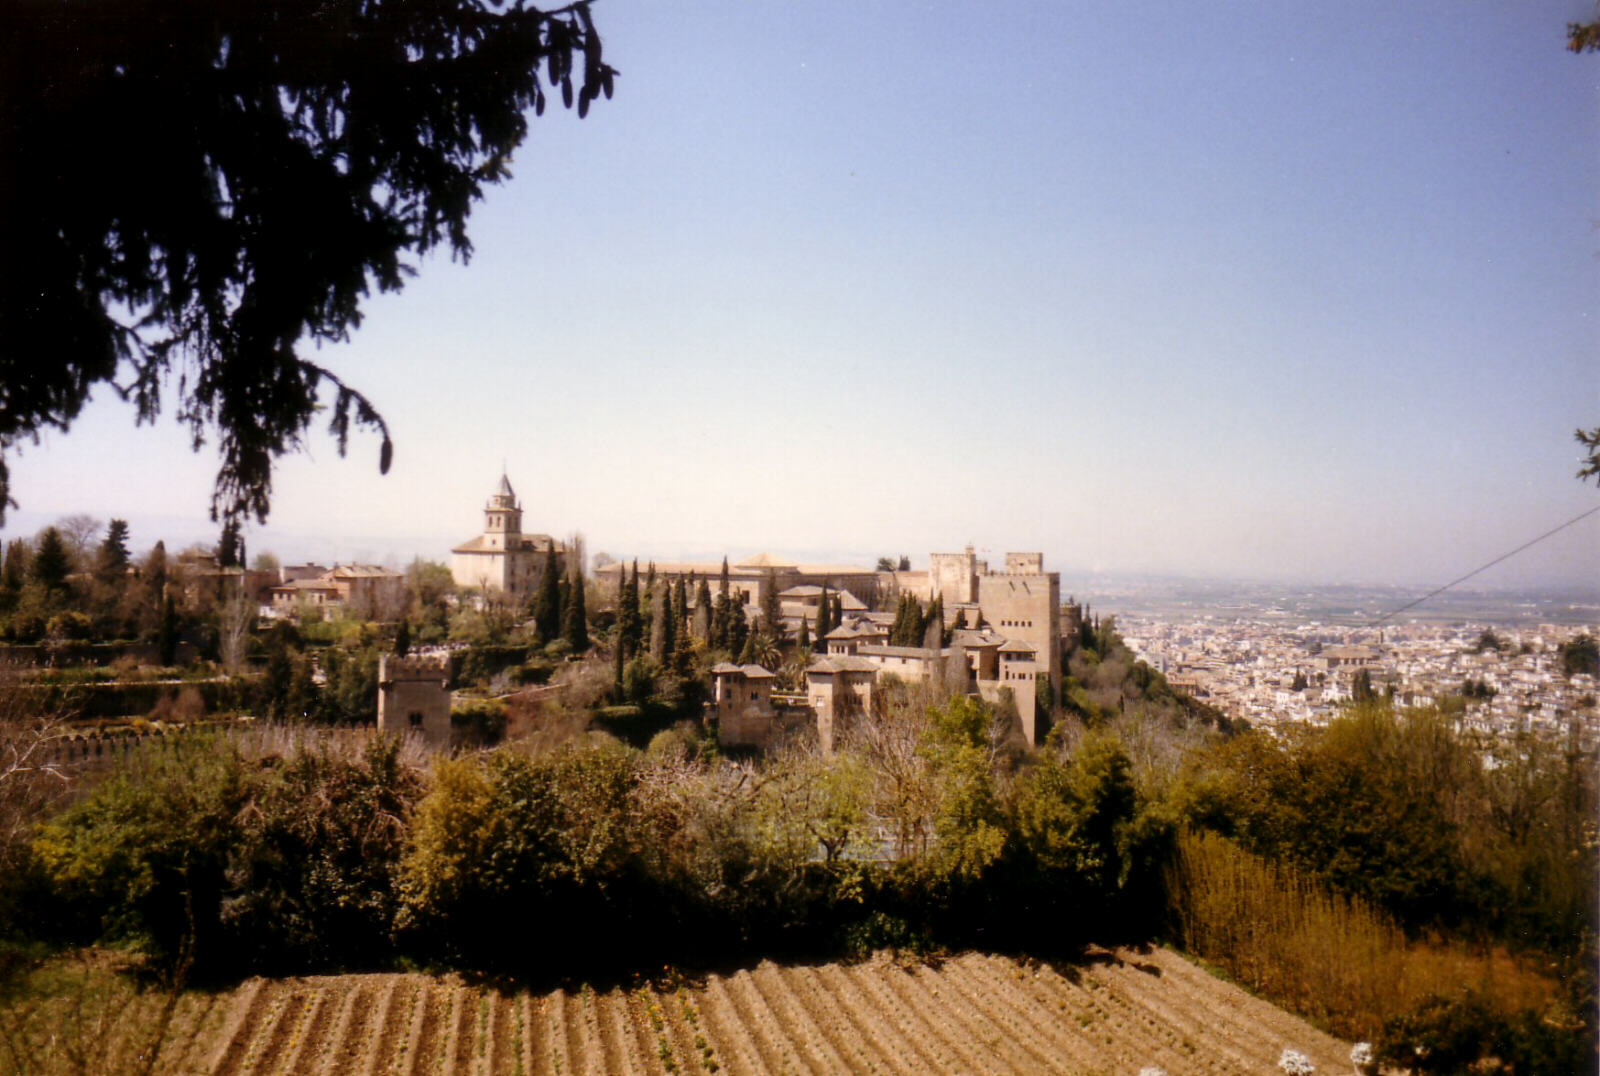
x: 235, y: 618
x: 80, y: 532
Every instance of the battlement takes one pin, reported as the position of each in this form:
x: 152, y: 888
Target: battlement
x: 392, y: 667
x: 1024, y: 563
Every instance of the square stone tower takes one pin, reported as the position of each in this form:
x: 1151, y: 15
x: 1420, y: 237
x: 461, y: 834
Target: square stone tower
x: 414, y: 697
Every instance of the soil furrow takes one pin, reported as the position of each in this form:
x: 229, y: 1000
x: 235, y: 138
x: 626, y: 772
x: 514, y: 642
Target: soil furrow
x: 641, y: 1001
x: 305, y: 1041
x: 268, y: 1044
x: 781, y: 997
x: 1184, y: 1030
x: 505, y: 1045
x: 1000, y: 1052
x: 189, y: 1035
x: 1011, y: 986
x: 896, y: 988
x: 426, y: 1043
x: 343, y: 1050
x: 603, y: 1054
x: 890, y: 1029
x: 1237, y: 1010
x: 682, y: 1028
x: 735, y: 1036
x: 460, y: 1052
x: 851, y: 1029
x: 567, y: 1036
x: 249, y: 1007
x: 392, y: 1026
x: 616, y: 1025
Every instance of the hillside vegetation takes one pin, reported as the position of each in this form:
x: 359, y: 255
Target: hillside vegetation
x: 1389, y: 875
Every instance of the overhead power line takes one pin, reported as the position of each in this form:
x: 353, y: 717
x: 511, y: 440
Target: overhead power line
x: 1504, y: 556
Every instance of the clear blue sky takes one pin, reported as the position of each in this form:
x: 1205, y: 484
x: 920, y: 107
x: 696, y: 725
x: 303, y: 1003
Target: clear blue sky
x: 1305, y: 291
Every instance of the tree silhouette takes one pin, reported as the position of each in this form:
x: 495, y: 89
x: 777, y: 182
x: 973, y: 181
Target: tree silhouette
x: 291, y: 156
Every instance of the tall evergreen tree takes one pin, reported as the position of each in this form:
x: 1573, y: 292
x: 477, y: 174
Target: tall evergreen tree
x: 619, y: 659
x: 702, y: 612
x: 575, y: 618
x: 230, y: 545
x: 721, y: 618
x: 111, y: 564
x: 749, y: 651
x: 51, y: 562
x: 824, y: 612
x: 547, y: 599
x: 167, y: 633
x: 738, y: 628
x: 838, y: 611
x: 402, y: 638
x: 805, y: 632
x: 630, y: 631
x: 660, y: 627
x: 15, y: 572
x: 771, y: 607
x: 722, y: 580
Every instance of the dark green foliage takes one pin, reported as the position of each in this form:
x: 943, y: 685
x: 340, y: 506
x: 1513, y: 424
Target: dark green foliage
x: 1461, y: 1035
x: 305, y: 151
x: 51, y: 562
x: 705, y: 626
x: 167, y: 632
x: 350, y: 690
x: 111, y: 564
x: 805, y: 632
x: 477, y: 665
x: 402, y: 638
x: 230, y: 547
x: 574, y: 618
x: 630, y: 622
x: 224, y: 865
x: 552, y: 840
x: 738, y: 633
x: 547, y: 599
x: 771, y: 607
x: 885, y: 564
x: 1581, y: 655
x: 721, y: 620
x: 312, y: 878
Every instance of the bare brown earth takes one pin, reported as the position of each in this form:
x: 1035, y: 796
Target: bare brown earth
x: 1116, y: 1012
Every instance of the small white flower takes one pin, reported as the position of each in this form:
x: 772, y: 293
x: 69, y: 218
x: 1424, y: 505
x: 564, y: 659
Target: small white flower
x: 1361, y: 1053
x: 1151, y: 1070
x: 1296, y: 1063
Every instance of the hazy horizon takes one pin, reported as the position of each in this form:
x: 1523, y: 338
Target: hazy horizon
x: 1247, y: 291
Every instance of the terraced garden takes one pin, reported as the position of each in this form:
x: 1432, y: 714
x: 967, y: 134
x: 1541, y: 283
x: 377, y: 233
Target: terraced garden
x: 1119, y: 1012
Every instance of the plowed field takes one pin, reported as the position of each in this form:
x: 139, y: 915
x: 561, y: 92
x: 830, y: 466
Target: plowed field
x: 1117, y: 1013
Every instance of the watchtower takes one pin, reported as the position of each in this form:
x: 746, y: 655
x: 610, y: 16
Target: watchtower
x: 414, y: 696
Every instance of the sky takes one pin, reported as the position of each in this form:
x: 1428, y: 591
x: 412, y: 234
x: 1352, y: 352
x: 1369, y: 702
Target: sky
x: 1306, y: 292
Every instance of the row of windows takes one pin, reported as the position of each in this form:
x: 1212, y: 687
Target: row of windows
x: 1016, y: 623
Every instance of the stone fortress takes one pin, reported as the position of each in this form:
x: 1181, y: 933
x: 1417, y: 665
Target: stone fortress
x: 1012, y: 637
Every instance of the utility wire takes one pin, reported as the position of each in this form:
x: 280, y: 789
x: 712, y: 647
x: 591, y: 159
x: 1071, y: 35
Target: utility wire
x: 1486, y: 567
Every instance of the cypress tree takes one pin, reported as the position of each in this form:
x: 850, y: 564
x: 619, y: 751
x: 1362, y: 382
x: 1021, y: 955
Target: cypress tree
x: 167, y: 634
x: 738, y: 628
x: 805, y: 632
x: 14, y: 573
x: 824, y: 611
x: 747, y: 653
x: 51, y: 564
x: 620, y: 658
x: 111, y: 565
x: 771, y: 607
x: 575, y: 620
x: 228, y: 546
x: 838, y: 611
x: 721, y: 620
x: 660, y: 628
x: 722, y: 581
x: 702, y: 613
x: 680, y: 604
x: 547, y: 600
x: 402, y: 638
x: 630, y: 630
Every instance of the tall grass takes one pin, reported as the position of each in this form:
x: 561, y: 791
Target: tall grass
x: 1334, y: 959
